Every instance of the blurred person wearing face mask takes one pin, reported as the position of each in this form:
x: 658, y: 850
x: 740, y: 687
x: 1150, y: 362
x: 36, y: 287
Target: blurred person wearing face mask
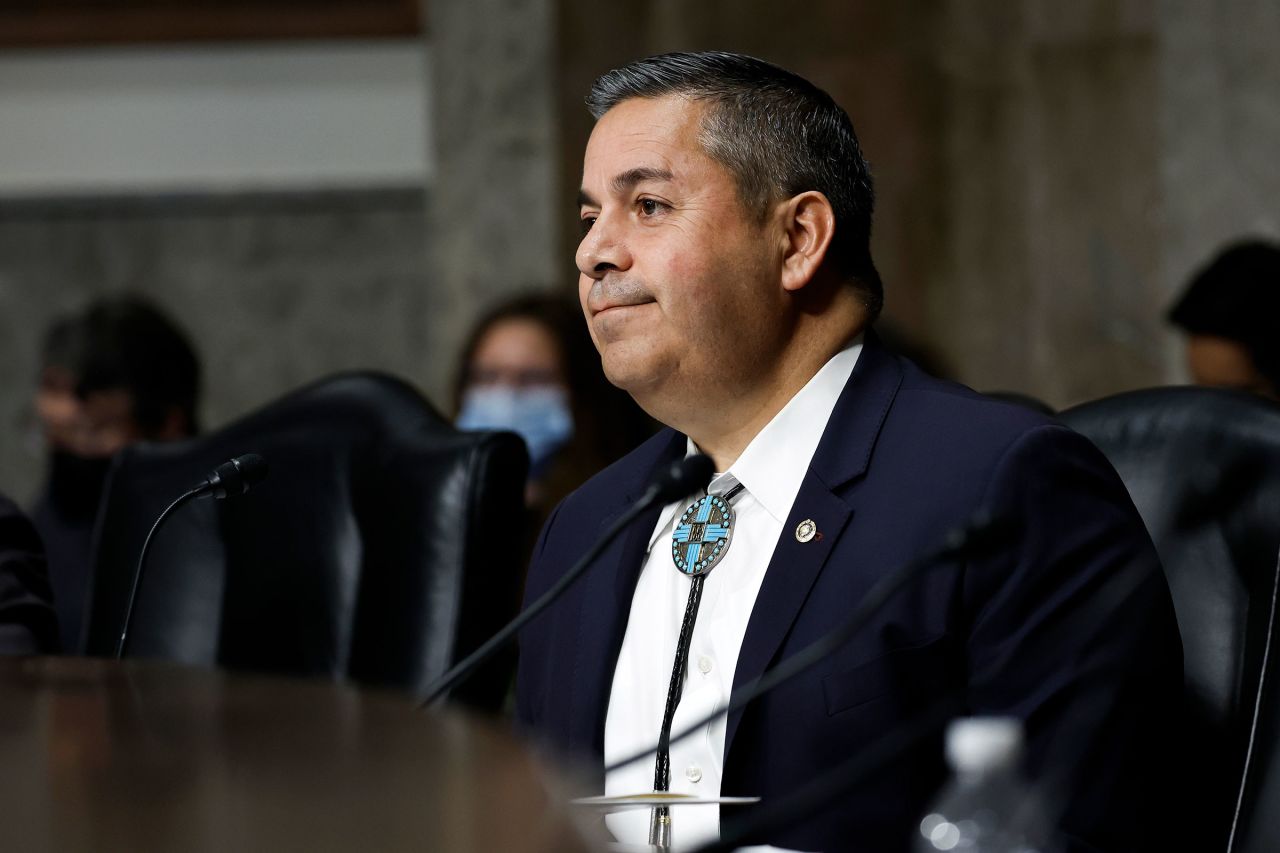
x: 529, y: 367
x: 115, y: 373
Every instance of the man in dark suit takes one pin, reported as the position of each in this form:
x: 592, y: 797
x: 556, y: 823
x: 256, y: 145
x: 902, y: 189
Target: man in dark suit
x: 728, y: 284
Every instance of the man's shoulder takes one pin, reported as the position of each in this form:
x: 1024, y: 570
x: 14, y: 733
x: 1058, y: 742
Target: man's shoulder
x: 935, y: 408
x: 921, y: 388
x: 944, y: 439
x: 945, y: 434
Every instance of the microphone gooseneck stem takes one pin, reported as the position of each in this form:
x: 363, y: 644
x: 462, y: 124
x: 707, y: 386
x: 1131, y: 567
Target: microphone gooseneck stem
x: 827, y: 788
x: 980, y: 534
x: 467, y: 665
x: 121, y: 644
x: 1054, y: 784
x: 678, y: 479
x: 1257, y: 710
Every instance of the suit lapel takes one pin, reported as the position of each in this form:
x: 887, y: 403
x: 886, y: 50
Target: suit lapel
x: 842, y: 455
x: 605, y: 604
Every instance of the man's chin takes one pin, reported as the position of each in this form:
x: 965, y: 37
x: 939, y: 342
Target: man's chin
x: 631, y: 373
x: 626, y: 378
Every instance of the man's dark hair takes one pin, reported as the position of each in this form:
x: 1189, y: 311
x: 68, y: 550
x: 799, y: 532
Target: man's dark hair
x: 1237, y: 296
x: 777, y: 133
x: 126, y: 343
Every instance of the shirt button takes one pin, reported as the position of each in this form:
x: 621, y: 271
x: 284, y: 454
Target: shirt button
x: 704, y: 664
x: 694, y: 773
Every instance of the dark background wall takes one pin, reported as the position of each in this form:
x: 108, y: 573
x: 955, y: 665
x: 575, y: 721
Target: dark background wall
x: 275, y: 289
x: 1048, y: 174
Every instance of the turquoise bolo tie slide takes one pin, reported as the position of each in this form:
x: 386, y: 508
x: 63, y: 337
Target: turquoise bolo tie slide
x: 702, y: 535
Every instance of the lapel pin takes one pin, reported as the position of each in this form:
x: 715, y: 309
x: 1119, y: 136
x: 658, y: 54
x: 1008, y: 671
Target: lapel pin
x: 806, y: 530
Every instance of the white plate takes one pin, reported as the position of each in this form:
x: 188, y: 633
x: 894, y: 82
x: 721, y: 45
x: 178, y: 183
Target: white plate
x: 650, y: 799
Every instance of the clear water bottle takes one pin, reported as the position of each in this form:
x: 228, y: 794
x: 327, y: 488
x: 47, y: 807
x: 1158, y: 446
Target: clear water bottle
x: 988, y: 806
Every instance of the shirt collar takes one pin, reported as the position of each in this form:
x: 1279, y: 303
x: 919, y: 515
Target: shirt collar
x: 773, y: 465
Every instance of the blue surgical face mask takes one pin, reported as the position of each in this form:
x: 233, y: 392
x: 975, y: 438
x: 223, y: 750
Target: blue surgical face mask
x: 540, y: 415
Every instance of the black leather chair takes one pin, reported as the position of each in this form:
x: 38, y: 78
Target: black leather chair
x: 1256, y: 828
x: 1203, y: 468
x: 382, y: 546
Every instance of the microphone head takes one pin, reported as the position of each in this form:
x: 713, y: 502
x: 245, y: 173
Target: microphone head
x: 236, y: 476
x: 682, y: 477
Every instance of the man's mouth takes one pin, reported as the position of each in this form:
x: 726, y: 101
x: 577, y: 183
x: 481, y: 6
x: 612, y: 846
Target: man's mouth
x: 614, y: 306
x: 616, y: 295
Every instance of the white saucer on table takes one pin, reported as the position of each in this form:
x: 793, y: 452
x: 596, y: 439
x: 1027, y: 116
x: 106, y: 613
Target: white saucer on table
x: 650, y: 799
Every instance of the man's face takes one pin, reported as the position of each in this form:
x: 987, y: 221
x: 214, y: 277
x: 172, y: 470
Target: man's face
x: 680, y: 284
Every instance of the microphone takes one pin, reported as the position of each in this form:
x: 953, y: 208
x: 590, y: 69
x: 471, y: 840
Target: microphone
x: 671, y: 483
x: 233, y: 477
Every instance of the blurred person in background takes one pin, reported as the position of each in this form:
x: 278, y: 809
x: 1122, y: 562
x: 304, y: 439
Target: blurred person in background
x: 117, y: 372
x: 529, y: 366
x: 1231, y: 314
x: 27, y: 622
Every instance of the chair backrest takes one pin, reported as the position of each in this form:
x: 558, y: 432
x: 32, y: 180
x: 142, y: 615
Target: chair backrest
x: 382, y: 546
x: 1203, y: 468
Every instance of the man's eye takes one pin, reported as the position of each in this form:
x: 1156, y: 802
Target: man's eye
x: 649, y: 206
x: 586, y: 222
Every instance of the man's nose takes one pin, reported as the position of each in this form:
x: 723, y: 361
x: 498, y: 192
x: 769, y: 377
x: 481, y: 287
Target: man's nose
x: 602, y: 250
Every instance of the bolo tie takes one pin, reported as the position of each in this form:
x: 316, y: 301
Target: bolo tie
x: 699, y: 541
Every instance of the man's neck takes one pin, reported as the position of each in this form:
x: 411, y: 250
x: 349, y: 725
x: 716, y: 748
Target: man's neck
x: 725, y: 439
x: 724, y: 430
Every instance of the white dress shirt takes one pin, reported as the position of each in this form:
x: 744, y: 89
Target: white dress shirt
x: 771, y: 469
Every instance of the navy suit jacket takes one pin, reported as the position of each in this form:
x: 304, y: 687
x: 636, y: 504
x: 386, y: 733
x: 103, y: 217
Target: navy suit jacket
x: 1068, y: 625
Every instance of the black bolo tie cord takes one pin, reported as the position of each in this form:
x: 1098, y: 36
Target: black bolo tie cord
x: 662, y: 766
x: 662, y: 763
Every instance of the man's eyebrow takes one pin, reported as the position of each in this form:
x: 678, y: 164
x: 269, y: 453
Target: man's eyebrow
x: 625, y: 181
x: 628, y: 179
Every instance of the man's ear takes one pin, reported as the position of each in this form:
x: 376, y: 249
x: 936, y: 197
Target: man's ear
x: 808, y: 226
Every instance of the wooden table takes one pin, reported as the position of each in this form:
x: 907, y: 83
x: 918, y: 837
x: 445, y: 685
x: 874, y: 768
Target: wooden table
x: 98, y: 755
